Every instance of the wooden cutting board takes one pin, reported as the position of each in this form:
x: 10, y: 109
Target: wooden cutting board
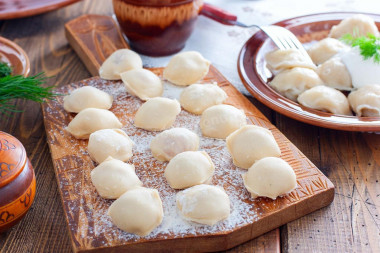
x: 94, y: 38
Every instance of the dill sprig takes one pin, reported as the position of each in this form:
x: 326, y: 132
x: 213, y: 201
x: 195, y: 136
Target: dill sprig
x: 5, y: 69
x: 13, y: 87
x: 369, y: 45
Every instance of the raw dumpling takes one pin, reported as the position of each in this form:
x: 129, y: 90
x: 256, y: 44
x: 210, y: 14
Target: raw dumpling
x: 198, y: 97
x: 334, y: 73
x: 157, y: 114
x: 188, y: 169
x: 109, y: 142
x: 87, y: 97
x: 205, y: 204
x: 292, y: 82
x: 365, y: 101
x: 280, y: 60
x: 325, y: 99
x: 90, y: 120
x: 137, y: 211
x: 113, y: 177
x: 325, y: 49
x: 270, y: 177
x: 357, y: 25
x: 219, y: 121
x: 142, y: 83
x: 118, y: 62
x: 171, y: 142
x: 186, y: 68
x: 251, y: 143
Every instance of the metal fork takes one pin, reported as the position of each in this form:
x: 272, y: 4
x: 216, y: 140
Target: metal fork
x: 282, y: 37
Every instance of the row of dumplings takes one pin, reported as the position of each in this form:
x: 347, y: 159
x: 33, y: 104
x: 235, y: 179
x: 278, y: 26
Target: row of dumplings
x: 319, y: 83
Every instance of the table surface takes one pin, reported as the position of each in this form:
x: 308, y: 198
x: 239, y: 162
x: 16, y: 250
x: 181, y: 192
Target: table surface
x: 350, y: 159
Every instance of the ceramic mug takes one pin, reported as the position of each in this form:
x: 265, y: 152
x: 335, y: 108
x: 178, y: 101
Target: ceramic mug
x: 157, y: 27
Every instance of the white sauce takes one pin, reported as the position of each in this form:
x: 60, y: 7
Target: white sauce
x: 362, y: 71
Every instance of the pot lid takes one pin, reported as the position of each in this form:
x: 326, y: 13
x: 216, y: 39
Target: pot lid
x: 12, y: 158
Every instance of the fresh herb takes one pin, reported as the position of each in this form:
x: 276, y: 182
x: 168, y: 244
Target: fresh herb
x: 13, y: 87
x: 369, y: 46
x: 5, y: 69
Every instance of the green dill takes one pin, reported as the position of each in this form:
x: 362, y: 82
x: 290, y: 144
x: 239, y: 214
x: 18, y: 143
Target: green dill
x: 369, y: 45
x: 5, y: 69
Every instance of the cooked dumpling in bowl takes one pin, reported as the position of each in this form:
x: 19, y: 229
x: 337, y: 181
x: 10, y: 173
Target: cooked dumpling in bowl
x: 334, y: 73
x: 325, y: 99
x: 279, y: 60
x: 325, y: 49
x: 365, y: 101
x: 357, y: 25
x: 292, y: 82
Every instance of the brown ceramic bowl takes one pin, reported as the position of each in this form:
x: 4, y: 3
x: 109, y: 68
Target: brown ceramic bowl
x: 157, y: 27
x: 17, y: 182
x: 11, y: 53
x: 255, y: 75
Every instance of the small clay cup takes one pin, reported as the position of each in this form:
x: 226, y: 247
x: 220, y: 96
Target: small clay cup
x: 17, y: 181
x: 157, y: 27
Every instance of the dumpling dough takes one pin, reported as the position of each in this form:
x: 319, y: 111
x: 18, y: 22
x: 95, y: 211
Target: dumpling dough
x: 188, y: 169
x: 251, y: 143
x: 280, y: 60
x: 219, y: 121
x: 87, y: 97
x: 157, y: 114
x: 142, y: 83
x: 270, y: 177
x: 198, y: 97
x: 171, y: 142
x: 186, y: 68
x: 109, y: 142
x: 113, y: 177
x: 325, y: 49
x: 90, y: 120
x: 137, y: 211
x: 357, y: 25
x: 118, y: 62
x: 205, y: 204
x: 292, y: 82
x: 334, y: 73
x: 365, y: 101
x: 325, y: 99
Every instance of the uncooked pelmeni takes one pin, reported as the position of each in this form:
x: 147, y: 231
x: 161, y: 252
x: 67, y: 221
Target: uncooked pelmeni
x: 205, y: 204
x: 281, y: 59
x: 292, y: 82
x: 198, y: 97
x: 219, y: 121
x: 357, y: 25
x: 157, y: 114
x: 270, y: 177
x: 113, y: 177
x: 87, y: 97
x: 186, y: 68
x: 334, y: 73
x: 325, y: 99
x: 90, y: 120
x: 189, y: 168
x: 138, y: 211
x: 142, y: 83
x: 171, y: 142
x: 325, y: 49
x: 251, y: 143
x: 118, y: 62
x: 365, y: 101
x: 109, y: 142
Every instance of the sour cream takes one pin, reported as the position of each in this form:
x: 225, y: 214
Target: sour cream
x: 363, y: 72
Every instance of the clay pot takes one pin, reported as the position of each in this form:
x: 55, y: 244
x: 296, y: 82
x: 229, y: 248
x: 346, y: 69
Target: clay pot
x: 157, y: 27
x: 17, y: 181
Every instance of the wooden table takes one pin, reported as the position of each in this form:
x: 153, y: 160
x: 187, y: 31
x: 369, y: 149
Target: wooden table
x: 351, y: 160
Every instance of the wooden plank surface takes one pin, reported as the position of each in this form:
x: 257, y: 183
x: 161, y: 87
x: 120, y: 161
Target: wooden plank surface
x: 350, y: 160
